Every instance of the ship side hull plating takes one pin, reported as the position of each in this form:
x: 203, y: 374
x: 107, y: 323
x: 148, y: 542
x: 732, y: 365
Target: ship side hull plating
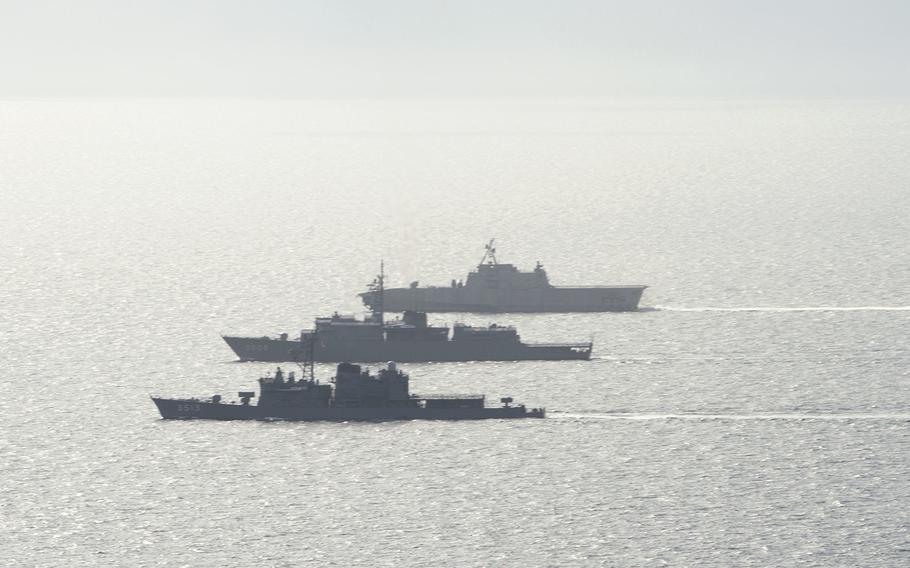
x: 277, y: 351
x: 540, y: 300
x: 194, y: 409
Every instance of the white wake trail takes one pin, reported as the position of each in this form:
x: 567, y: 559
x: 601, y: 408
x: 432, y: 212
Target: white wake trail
x: 788, y: 309
x: 899, y: 416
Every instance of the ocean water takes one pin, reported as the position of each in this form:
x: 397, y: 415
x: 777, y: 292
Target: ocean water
x: 756, y: 412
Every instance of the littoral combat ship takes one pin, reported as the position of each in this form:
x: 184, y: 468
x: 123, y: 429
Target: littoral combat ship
x: 496, y: 287
x: 357, y: 395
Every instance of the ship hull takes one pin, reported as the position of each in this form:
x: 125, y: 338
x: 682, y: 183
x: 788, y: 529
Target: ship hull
x: 540, y: 300
x: 277, y: 351
x: 185, y: 409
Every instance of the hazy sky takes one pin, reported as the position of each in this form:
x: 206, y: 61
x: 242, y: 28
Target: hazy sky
x: 463, y: 48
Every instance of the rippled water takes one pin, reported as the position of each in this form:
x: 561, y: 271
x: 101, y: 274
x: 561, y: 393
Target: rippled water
x: 755, y: 413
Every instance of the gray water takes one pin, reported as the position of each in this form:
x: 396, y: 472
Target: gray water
x: 754, y: 414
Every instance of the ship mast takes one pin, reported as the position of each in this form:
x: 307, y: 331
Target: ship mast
x: 310, y: 363
x: 489, y: 252
x: 381, y: 291
x: 307, y: 366
x: 378, y: 287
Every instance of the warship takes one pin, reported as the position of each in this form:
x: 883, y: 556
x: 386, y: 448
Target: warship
x: 498, y: 287
x: 353, y: 395
x: 409, y: 340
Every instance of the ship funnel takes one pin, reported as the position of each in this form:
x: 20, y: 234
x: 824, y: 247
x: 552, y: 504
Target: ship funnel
x: 393, y: 366
x: 417, y: 319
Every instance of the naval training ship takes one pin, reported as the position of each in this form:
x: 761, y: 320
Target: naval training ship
x: 496, y: 287
x: 357, y: 396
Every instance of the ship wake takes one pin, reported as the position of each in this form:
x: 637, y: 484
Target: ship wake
x: 785, y: 309
x: 701, y: 416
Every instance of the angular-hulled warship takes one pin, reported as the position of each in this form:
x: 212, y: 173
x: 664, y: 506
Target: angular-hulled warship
x: 357, y: 396
x: 498, y: 287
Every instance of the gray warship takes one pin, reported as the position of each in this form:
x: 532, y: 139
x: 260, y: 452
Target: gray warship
x: 498, y: 287
x: 357, y: 396
x: 409, y: 340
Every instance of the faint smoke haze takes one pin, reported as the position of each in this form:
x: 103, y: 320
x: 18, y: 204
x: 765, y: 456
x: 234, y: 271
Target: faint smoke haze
x: 459, y: 49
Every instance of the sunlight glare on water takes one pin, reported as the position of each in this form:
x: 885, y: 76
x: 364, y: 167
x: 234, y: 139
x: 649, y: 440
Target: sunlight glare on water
x: 768, y: 427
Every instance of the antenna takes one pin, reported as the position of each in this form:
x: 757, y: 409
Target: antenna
x: 489, y: 252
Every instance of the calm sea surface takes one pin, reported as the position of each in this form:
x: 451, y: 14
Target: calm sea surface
x: 756, y: 413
